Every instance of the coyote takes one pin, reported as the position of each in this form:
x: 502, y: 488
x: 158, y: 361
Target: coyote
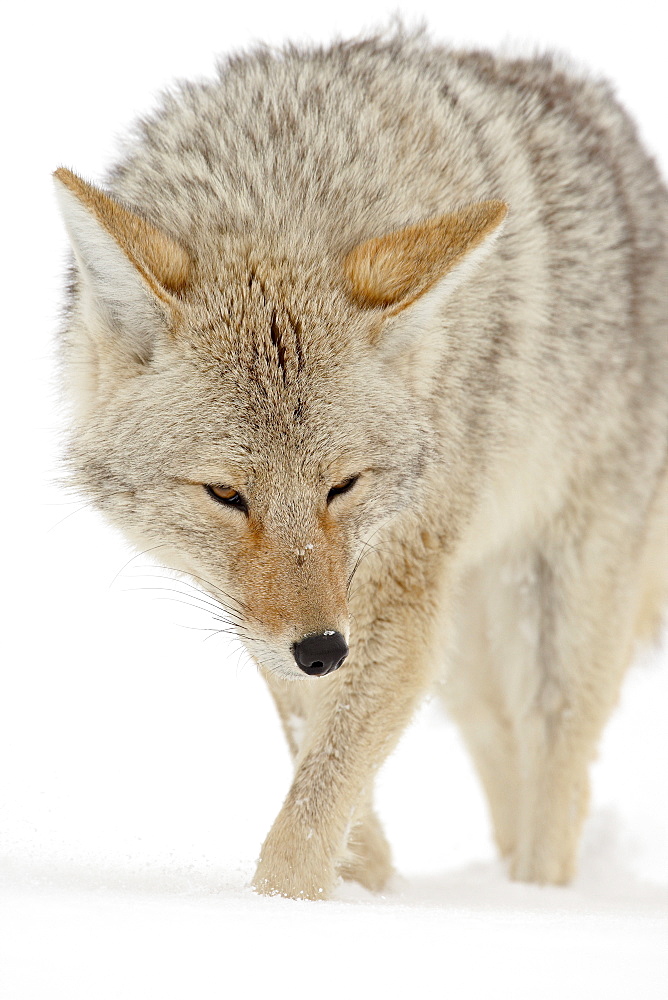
x: 370, y: 341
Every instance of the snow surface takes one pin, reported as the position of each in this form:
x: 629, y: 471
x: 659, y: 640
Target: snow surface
x: 141, y: 763
x: 144, y: 785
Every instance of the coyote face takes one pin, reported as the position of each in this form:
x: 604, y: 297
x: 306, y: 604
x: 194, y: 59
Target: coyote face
x: 261, y: 440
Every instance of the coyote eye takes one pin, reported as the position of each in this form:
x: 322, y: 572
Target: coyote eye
x: 341, y: 488
x: 227, y: 495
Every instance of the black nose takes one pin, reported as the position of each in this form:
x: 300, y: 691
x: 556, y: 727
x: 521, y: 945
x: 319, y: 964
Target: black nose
x: 319, y: 654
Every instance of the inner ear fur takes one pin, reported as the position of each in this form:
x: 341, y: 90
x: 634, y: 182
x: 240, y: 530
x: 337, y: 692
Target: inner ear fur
x: 160, y: 260
x: 391, y: 272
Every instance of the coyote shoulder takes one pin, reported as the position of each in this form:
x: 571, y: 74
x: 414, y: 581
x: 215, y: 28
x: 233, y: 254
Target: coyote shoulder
x: 371, y: 341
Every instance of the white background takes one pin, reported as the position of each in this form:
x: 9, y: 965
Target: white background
x: 142, y: 765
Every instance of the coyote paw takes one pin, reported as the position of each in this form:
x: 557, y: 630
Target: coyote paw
x: 542, y: 869
x: 369, y: 860
x: 293, y: 875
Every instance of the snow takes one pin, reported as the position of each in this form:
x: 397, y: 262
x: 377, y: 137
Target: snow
x: 149, y: 942
x: 142, y: 763
x: 148, y: 767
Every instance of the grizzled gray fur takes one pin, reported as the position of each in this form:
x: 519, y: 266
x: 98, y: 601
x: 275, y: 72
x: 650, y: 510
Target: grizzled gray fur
x: 371, y: 341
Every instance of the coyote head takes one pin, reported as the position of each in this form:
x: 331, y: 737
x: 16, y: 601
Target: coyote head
x: 254, y: 410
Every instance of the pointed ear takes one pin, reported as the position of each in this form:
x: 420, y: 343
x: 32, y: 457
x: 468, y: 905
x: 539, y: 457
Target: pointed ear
x: 131, y: 272
x: 393, y: 271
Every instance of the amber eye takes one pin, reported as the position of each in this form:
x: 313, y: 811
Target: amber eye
x: 336, y: 491
x: 227, y: 495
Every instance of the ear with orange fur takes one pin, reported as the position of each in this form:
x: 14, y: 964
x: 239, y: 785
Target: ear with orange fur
x: 393, y: 271
x: 131, y: 272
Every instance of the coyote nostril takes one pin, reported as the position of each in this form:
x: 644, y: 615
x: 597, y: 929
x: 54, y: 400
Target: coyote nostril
x: 320, y: 654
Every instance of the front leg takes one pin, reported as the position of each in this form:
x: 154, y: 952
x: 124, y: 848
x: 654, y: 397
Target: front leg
x: 356, y: 718
x: 369, y: 859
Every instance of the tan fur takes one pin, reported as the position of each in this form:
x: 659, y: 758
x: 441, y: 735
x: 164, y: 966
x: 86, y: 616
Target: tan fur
x: 158, y: 258
x: 293, y: 584
x: 395, y: 270
x: 281, y: 292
